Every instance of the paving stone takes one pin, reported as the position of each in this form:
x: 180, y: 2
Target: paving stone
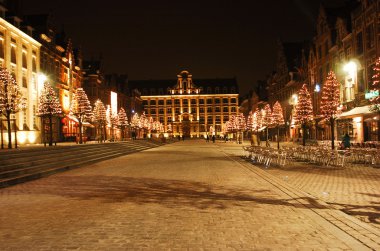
x: 182, y: 196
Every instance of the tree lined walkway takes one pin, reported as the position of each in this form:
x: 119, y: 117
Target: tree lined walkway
x: 190, y: 195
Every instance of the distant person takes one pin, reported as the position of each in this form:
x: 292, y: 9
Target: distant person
x: 207, y: 138
x: 183, y: 137
x: 179, y: 137
x: 213, y: 138
x: 345, y: 141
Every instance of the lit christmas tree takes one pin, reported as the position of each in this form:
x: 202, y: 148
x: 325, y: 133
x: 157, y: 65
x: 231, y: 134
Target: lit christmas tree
x: 256, y: 125
x: 232, y: 127
x: 277, y: 120
x: 49, y: 107
x: 11, y: 100
x: 100, y: 118
x: 241, y: 125
x: 303, y: 111
x: 267, y: 120
x: 330, y: 102
x: 123, y: 121
x: 250, y: 121
x: 375, y: 100
x: 135, y: 121
x: 81, y: 109
x: 112, y: 121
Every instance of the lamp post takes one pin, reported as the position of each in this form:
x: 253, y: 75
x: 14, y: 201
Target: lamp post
x: 317, y: 89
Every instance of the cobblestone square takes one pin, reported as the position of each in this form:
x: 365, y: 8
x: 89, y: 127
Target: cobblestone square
x: 189, y: 195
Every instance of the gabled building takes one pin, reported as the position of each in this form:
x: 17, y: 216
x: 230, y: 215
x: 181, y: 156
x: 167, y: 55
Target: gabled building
x: 60, y: 66
x: 289, y: 76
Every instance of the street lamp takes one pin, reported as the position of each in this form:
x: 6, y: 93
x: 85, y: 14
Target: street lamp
x: 350, y: 80
x: 317, y: 89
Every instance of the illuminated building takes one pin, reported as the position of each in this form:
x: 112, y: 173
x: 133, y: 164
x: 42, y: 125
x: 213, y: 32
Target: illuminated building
x: 61, y: 65
x: 20, y: 54
x: 190, y: 107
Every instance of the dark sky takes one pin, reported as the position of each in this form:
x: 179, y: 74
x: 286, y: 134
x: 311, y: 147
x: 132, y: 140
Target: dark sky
x: 159, y: 38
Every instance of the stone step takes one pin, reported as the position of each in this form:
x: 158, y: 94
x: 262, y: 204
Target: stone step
x: 43, y: 163
x: 25, y: 156
x: 28, y: 164
x: 52, y: 170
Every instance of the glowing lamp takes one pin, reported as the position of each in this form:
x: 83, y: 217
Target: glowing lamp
x: 350, y: 67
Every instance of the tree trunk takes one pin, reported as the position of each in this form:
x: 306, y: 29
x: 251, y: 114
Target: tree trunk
x: 8, y: 116
x: 51, y: 130
x: 303, y: 134
x: 332, y: 133
x: 278, y: 137
x: 80, y: 132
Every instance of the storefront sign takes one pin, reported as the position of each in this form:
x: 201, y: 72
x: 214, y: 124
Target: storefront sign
x: 372, y: 94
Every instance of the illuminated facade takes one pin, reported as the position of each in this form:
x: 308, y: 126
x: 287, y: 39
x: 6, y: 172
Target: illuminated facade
x: 189, y: 107
x: 20, y: 54
x: 61, y: 65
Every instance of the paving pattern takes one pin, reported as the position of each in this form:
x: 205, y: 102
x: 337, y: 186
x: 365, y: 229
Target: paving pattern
x: 189, y: 195
x: 353, y: 189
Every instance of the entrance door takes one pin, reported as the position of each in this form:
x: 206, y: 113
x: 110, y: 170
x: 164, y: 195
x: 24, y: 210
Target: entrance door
x: 186, y: 125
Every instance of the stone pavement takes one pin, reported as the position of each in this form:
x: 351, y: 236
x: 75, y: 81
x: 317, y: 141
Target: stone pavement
x: 189, y: 195
x: 354, y: 189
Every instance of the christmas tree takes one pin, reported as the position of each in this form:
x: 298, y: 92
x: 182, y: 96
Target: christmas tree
x: 81, y: 109
x: 100, y: 118
x: 123, y: 121
x: 250, y: 121
x: 330, y: 102
x: 375, y: 100
x: 11, y: 100
x: 267, y: 120
x: 135, y: 121
x: 256, y: 125
x: 303, y: 111
x: 277, y: 120
x: 112, y: 121
x: 48, y: 107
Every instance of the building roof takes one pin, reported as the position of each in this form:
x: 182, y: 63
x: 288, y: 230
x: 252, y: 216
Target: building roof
x: 206, y: 84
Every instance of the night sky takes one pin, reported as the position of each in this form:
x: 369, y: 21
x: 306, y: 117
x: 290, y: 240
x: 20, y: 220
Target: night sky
x: 158, y: 39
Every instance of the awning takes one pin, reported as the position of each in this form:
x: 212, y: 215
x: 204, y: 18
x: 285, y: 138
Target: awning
x: 86, y: 124
x: 361, y: 110
x: 72, y: 118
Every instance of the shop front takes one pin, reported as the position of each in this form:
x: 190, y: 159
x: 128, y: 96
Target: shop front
x: 360, y: 123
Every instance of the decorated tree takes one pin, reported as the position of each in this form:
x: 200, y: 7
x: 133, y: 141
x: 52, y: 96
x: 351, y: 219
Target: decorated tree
x: 241, y: 125
x: 112, y: 121
x: 49, y: 107
x: 11, y: 100
x: 277, y: 120
x: 100, y: 118
x: 250, y: 121
x: 250, y: 126
x: 123, y: 121
x: 81, y: 109
x: 135, y: 123
x: 257, y: 120
x: 303, y: 111
x: 330, y: 102
x: 267, y: 120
